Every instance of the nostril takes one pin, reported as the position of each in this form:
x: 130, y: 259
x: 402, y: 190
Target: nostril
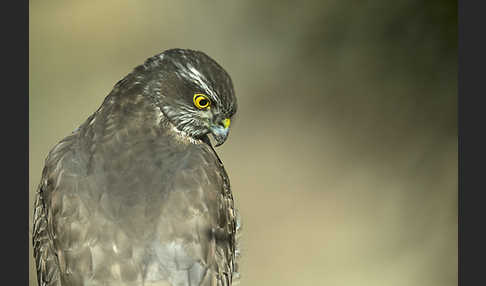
x: 225, y: 122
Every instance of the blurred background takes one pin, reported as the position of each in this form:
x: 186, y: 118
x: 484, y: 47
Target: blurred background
x: 343, y: 158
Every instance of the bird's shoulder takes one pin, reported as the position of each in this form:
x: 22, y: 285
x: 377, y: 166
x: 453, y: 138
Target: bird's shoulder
x: 47, y: 205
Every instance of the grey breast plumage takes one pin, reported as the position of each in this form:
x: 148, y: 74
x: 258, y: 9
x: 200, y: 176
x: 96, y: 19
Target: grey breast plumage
x: 127, y: 199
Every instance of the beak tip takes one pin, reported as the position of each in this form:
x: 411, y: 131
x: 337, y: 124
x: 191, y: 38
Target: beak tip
x: 220, y: 140
x: 219, y: 135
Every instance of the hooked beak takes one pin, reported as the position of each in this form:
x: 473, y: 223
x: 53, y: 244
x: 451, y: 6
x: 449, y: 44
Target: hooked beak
x: 220, y: 131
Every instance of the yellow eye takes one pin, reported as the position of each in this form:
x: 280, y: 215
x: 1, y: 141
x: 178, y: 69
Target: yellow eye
x: 201, y: 101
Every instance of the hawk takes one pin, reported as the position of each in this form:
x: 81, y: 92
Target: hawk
x: 137, y: 194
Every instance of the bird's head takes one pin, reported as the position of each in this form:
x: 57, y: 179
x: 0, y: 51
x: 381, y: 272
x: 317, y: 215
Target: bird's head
x: 195, y: 93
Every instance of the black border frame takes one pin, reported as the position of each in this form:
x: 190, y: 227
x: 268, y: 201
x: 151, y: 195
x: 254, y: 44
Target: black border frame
x: 471, y: 60
x: 15, y: 139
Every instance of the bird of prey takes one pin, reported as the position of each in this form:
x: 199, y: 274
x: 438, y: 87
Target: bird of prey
x: 137, y: 195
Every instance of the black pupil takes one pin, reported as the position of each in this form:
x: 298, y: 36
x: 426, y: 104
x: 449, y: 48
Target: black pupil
x: 203, y: 102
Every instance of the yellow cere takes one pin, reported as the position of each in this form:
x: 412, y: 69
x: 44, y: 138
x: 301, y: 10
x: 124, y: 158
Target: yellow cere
x: 226, y: 122
x: 201, y: 101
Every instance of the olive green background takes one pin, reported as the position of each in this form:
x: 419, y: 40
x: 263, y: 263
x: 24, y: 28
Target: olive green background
x: 343, y: 158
